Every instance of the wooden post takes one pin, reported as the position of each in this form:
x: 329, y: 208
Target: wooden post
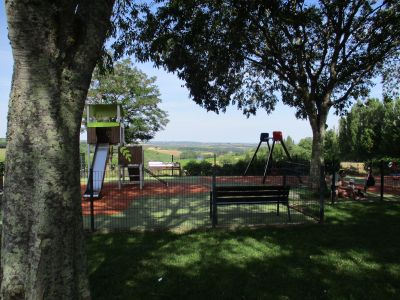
x: 141, y: 176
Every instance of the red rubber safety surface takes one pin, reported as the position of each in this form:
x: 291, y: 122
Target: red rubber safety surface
x: 114, y: 200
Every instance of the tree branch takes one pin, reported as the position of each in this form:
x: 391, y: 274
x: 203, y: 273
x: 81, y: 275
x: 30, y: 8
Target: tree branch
x: 94, y: 22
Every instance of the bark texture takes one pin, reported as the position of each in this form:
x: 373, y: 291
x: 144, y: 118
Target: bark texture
x: 55, y: 45
x: 318, y: 123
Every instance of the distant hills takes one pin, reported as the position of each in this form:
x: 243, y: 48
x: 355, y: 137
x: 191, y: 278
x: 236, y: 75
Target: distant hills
x: 202, y: 146
x: 191, y: 143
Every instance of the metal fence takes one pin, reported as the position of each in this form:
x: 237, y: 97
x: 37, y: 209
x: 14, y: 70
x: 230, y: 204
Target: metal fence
x: 350, y: 185
x: 183, y: 202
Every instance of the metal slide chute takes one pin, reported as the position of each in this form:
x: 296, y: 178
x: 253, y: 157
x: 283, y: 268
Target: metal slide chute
x: 99, y: 169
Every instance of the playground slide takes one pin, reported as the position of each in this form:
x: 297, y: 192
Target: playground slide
x: 99, y: 168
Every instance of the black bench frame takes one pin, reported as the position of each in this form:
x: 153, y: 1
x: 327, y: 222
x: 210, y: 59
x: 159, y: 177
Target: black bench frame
x: 252, y: 194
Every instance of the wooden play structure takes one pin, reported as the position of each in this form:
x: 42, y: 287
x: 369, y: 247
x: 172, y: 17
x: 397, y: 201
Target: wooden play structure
x: 105, y: 128
x: 130, y: 165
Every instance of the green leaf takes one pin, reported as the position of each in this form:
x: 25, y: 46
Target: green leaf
x: 126, y: 153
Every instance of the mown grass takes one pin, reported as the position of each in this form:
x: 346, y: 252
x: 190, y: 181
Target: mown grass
x: 355, y: 255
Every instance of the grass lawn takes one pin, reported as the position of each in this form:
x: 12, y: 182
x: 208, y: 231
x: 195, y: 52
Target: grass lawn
x: 355, y: 255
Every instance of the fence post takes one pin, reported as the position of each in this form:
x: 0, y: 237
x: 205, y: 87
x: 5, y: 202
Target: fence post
x: 172, y: 170
x: 91, y: 199
x: 382, y: 168
x: 333, y: 185
x: 213, y: 204
x: 321, y: 195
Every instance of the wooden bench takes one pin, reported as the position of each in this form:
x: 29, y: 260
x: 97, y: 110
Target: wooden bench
x: 253, y: 194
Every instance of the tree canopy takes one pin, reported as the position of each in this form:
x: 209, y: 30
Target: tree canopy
x: 371, y: 130
x: 240, y: 52
x: 138, y: 95
x: 316, y: 55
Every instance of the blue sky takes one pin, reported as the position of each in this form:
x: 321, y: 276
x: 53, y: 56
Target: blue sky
x: 188, y: 121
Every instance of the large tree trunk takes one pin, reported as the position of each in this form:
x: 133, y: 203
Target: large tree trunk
x: 317, y: 153
x: 317, y: 159
x: 55, y: 48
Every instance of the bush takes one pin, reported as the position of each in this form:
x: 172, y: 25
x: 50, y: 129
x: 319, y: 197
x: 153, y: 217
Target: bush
x: 203, y: 168
x: 1, y: 168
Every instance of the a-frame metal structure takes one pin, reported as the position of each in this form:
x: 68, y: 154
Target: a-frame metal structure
x: 264, y: 137
x: 277, y: 137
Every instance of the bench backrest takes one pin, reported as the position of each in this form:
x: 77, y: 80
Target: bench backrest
x: 257, y: 194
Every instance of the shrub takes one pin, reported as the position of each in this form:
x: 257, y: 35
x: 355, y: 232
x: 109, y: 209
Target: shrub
x: 203, y: 168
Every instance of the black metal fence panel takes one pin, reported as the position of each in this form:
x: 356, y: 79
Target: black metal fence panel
x: 183, y: 202
x: 349, y: 185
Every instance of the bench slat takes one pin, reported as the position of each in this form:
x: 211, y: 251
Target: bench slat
x: 251, y: 187
x: 252, y: 193
x: 265, y: 199
x: 252, y: 202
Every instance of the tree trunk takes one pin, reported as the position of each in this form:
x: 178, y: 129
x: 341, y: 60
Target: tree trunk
x: 317, y: 153
x: 317, y: 159
x: 55, y: 48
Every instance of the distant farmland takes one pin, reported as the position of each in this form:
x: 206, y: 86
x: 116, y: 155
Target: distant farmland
x: 173, y: 152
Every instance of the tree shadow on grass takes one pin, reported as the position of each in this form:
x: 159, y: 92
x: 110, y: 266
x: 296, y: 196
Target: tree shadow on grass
x: 353, y: 256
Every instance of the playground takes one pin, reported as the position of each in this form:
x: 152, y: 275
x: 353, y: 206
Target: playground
x: 160, y: 195
x: 184, y: 204
x: 134, y: 196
